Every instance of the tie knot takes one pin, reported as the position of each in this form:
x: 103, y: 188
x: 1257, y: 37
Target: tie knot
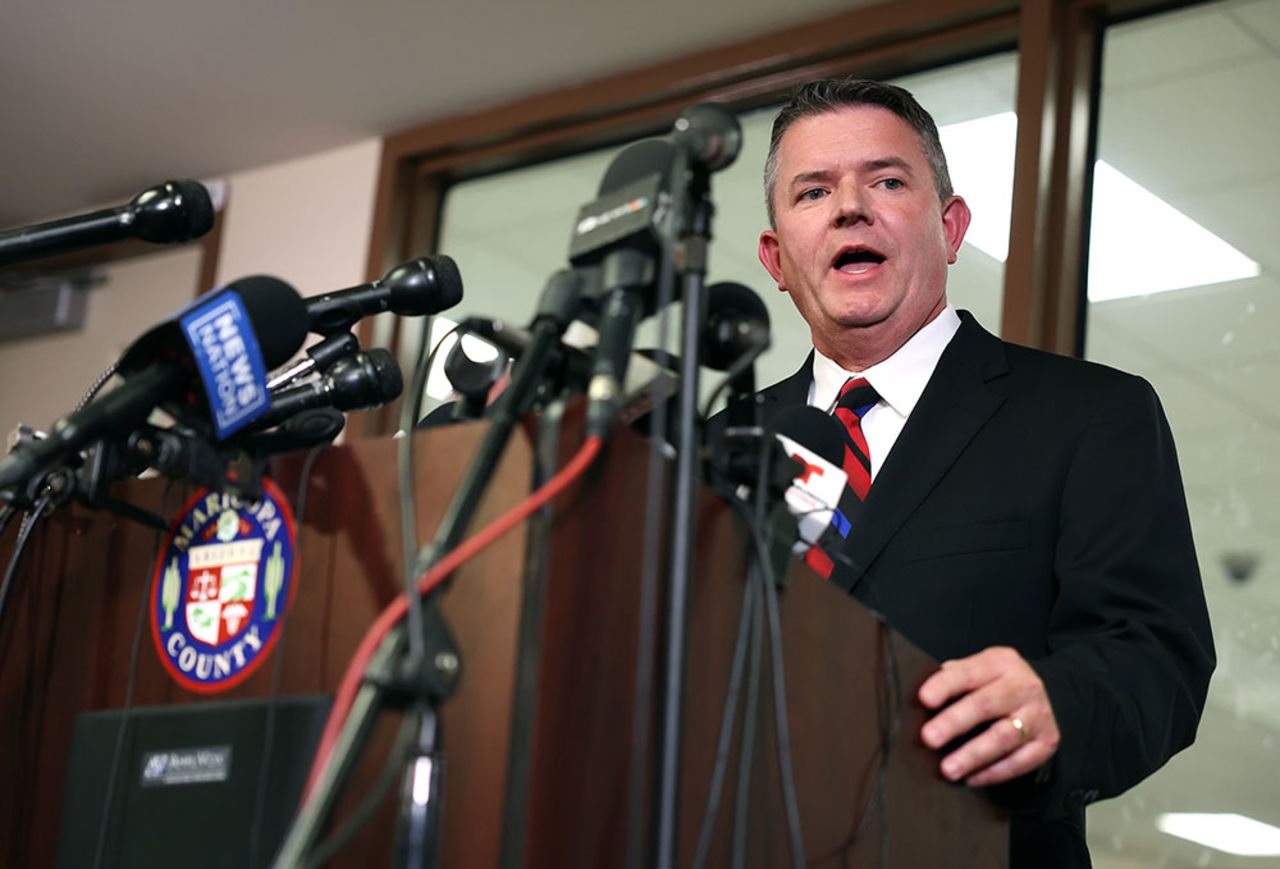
x: 857, y: 395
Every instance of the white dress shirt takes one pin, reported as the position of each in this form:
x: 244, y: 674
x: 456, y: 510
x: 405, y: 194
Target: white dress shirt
x: 899, y: 380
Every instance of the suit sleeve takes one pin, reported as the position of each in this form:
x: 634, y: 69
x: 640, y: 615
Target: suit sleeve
x: 1130, y: 649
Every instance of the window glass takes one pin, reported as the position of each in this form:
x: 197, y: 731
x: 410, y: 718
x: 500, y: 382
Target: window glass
x: 1182, y: 290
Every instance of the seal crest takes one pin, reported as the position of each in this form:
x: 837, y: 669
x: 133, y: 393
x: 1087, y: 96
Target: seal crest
x: 221, y: 586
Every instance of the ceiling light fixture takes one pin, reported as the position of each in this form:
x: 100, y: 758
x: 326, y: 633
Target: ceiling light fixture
x: 1138, y: 243
x: 1229, y: 833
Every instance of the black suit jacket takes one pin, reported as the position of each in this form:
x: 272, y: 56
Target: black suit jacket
x: 1034, y: 501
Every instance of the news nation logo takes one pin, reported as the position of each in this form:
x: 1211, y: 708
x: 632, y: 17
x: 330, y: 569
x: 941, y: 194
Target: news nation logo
x: 221, y: 586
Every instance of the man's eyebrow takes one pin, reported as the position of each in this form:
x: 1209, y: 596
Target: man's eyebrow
x: 888, y: 163
x: 873, y: 165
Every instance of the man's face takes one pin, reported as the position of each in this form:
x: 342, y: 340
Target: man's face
x: 862, y: 242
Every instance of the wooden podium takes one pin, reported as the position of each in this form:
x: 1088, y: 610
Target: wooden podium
x: 540, y: 735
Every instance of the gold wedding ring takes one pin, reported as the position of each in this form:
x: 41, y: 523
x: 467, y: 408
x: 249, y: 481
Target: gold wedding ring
x: 1019, y: 726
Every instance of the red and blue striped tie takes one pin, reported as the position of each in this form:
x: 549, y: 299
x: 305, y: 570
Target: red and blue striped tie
x: 857, y: 396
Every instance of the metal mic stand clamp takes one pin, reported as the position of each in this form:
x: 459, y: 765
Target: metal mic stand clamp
x: 417, y: 684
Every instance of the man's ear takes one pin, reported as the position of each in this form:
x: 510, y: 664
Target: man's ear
x: 770, y: 253
x: 955, y: 223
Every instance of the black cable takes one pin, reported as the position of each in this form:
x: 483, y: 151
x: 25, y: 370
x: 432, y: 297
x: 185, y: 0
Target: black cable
x: 97, y: 386
x: 782, y: 727
x: 24, y: 535
x: 359, y: 816
x: 741, y: 364
x: 893, y: 699
x: 277, y: 668
x: 743, y: 797
x: 783, y: 733
x: 410, y: 412
x: 727, y: 716
x: 126, y: 711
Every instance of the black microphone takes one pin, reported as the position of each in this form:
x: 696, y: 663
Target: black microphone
x: 626, y: 247
x: 737, y: 325
x: 199, y: 363
x: 169, y: 213
x: 565, y: 364
x: 368, y: 379
x: 320, y: 357
x: 710, y: 135
x: 734, y: 334
x: 427, y: 285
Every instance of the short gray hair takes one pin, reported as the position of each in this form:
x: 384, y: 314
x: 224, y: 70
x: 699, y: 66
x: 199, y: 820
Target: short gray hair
x: 831, y: 94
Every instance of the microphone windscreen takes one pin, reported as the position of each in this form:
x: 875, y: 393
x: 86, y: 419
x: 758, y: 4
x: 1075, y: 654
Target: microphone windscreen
x: 449, y: 280
x: 732, y: 299
x: 712, y: 134
x: 813, y: 429
x: 737, y: 324
x: 387, y: 374
x: 172, y: 212
x: 644, y: 158
x: 278, y: 316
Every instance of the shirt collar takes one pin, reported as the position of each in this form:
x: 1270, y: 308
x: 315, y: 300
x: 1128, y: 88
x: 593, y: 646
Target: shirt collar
x: 901, y: 378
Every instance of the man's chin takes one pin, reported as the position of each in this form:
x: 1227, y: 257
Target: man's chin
x: 861, y: 319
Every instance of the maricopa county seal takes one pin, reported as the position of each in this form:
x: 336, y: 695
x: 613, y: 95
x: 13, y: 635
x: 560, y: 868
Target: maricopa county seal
x: 221, y: 586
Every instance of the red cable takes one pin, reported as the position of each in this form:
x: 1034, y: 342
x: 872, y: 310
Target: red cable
x: 396, y: 610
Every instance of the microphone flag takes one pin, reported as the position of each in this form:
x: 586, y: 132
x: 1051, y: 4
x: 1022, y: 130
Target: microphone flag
x: 220, y: 335
x: 814, y: 495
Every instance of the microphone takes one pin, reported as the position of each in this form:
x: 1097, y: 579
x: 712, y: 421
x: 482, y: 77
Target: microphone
x: 320, y: 357
x: 710, y: 135
x: 812, y: 438
x: 734, y: 335
x: 737, y: 326
x: 567, y: 364
x: 169, y: 213
x: 631, y: 205
x: 227, y: 339
x: 624, y: 240
x: 427, y: 285
x: 368, y: 379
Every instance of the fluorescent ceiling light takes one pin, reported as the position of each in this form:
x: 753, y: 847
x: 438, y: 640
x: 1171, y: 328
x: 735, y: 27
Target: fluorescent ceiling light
x: 1229, y: 833
x: 1138, y: 243
x: 980, y: 159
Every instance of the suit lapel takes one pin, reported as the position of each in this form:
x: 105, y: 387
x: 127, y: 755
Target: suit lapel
x: 787, y: 393
x: 954, y: 406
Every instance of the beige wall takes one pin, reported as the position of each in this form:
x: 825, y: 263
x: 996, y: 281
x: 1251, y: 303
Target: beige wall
x: 42, y: 378
x: 306, y: 221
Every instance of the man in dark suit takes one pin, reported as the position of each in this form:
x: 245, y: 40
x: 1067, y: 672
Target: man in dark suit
x: 1025, y: 522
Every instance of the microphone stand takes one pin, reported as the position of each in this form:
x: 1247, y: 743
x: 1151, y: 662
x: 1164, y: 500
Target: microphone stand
x: 398, y: 679
x: 695, y: 237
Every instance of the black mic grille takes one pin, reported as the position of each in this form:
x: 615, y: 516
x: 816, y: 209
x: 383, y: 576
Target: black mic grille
x: 172, y: 212
x: 278, y: 315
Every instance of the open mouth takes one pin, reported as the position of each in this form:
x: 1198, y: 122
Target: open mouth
x: 857, y: 259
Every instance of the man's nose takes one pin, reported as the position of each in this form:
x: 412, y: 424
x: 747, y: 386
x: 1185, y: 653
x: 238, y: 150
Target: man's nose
x: 851, y: 206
